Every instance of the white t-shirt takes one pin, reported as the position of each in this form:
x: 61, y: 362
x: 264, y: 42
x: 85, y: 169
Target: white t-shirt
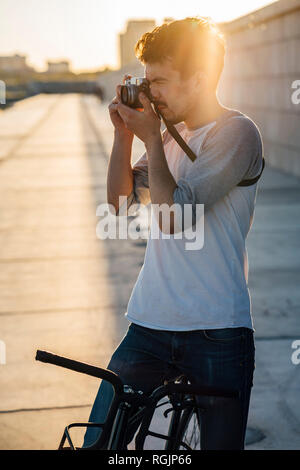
x: 180, y: 289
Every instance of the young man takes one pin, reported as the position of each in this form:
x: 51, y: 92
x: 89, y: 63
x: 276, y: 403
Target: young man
x: 190, y: 310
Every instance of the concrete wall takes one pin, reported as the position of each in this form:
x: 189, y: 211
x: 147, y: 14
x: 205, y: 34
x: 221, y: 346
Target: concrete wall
x: 262, y: 62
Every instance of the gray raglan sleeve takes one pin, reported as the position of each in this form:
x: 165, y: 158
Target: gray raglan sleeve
x: 140, y: 193
x: 232, y: 154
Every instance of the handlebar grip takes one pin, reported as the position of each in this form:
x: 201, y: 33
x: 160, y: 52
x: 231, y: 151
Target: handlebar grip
x: 50, y: 358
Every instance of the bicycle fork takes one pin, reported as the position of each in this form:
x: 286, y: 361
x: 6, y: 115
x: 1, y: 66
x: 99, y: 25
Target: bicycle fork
x: 118, y: 431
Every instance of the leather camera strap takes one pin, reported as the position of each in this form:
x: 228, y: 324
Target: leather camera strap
x: 175, y: 134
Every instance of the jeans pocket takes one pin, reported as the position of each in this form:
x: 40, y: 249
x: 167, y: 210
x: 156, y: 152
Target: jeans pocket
x: 225, y: 335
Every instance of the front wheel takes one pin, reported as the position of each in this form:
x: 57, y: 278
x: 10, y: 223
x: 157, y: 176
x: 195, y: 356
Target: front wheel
x: 188, y: 430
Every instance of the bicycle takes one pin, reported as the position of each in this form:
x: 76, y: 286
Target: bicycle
x: 132, y: 410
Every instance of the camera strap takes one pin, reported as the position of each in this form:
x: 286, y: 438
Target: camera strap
x: 175, y: 134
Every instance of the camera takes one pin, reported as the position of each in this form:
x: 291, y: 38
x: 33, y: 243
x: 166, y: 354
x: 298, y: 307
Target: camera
x: 130, y: 91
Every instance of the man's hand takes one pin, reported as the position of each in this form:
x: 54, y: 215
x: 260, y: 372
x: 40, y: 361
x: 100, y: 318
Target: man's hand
x: 145, y: 125
x: 115, y: 117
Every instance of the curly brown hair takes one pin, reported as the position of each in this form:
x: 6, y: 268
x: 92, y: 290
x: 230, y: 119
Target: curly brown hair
x: 194, y: 43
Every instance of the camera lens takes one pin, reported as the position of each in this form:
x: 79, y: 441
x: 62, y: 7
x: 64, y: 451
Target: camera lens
x: 124, y: 94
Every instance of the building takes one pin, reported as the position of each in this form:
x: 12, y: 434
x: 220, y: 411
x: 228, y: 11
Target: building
x: 14, y: 63
x: 58, y: 67
x: 134, y: 30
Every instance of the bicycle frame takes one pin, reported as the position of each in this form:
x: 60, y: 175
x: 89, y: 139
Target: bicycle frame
x: 120, y: 424
x: 121, y: 421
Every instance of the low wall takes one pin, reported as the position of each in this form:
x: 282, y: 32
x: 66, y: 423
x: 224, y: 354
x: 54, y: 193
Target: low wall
x: 262, y: 62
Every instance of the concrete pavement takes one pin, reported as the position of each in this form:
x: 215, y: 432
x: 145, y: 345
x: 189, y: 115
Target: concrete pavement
x: 64, y: 290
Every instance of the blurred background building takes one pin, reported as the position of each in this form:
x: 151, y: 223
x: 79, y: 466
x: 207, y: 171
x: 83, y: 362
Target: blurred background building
x: 15, y: 63
x: 127, y: 40
x: 58, y: 67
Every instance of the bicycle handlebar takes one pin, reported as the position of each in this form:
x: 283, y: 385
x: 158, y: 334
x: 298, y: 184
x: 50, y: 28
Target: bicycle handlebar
x: 114, y: 379
x: 50, y: 358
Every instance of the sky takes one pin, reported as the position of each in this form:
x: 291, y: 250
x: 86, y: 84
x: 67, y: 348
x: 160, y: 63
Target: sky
x: 85, y: 31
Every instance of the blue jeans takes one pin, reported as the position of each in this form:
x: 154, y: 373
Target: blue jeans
x: 221, y: 358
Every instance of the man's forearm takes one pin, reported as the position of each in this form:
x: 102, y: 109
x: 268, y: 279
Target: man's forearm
x: 161, y: 181
x: 119, y: 173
